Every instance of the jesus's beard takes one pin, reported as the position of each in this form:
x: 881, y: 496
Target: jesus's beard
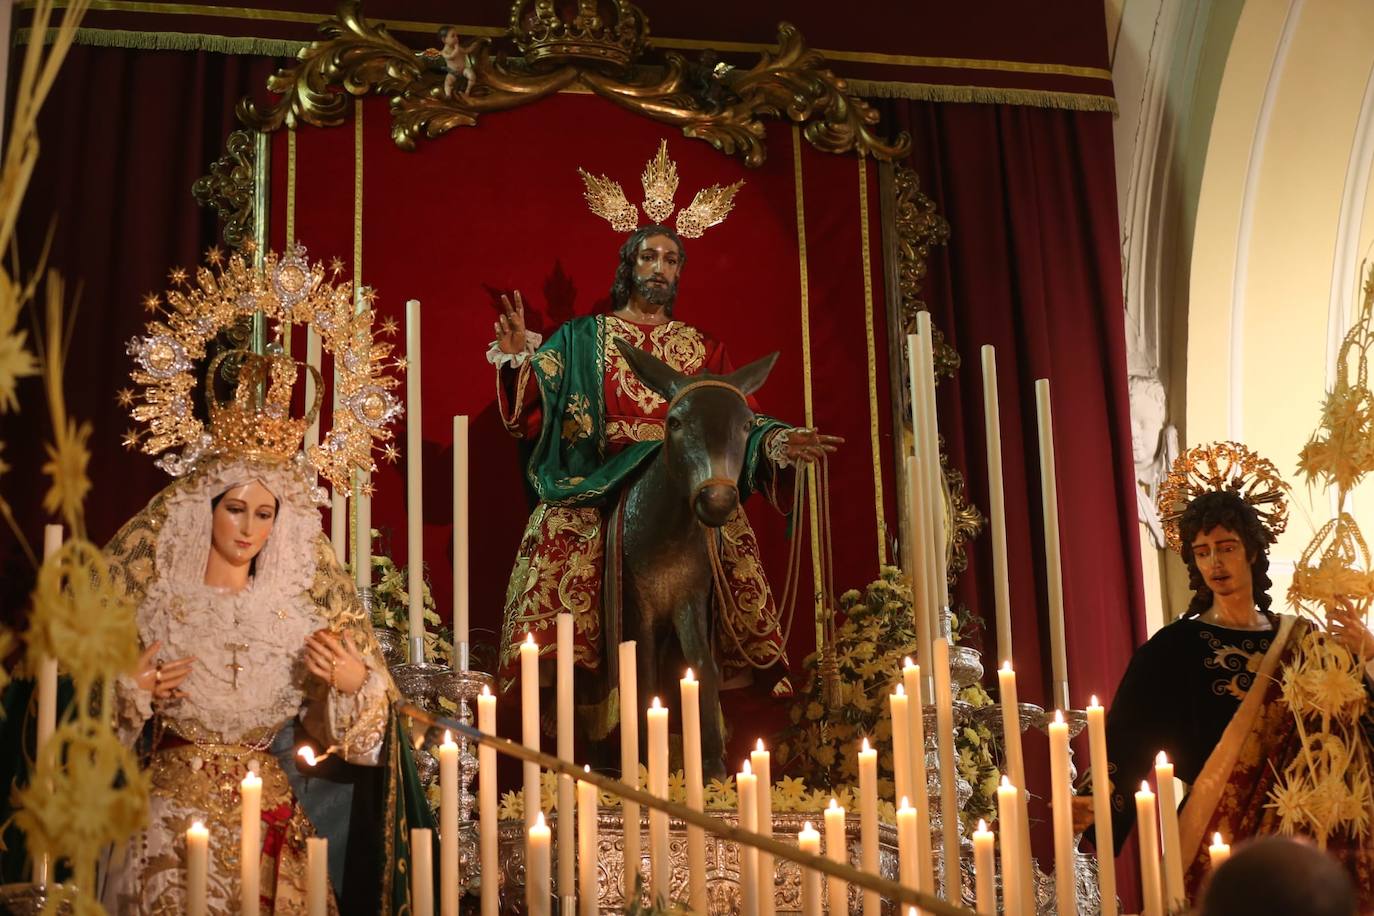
x: 656, y: 294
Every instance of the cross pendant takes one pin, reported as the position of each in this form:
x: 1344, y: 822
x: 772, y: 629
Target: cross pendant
x: 234, y: 666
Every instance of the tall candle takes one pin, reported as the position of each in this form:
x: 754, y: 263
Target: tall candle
x: 836, y: 850
x: 537, y: 884
x: 660, y: 865
x: 313, y: 358
x: 1102, y: 807
x: 1174, y: 897
x: 316, y: 876
x: 488, y: 807
x: 422, y: 871
x: 759, y: 759
x: 997, y: 513
x: 984, y: 869
x: 906, y: 842
x: 916, y: 726
x: 567, y: 844
x: 1062, y: 803
x: 588, y: 848
x: 448, y: 826
x: 1013, y: 857
x: 1218, y: 851
x: 250, y: 843
x: 868, y: 821
x: 197, y: 868
x: 920, y: 563
x: 1054, y: 577
x: 362, y: 546
x: 746, y: 785
x: 629, y: 761
x: 338, y: 524
x: 808, y: 840
x: 692, y: 770
x: 1016, y: 769
x: 529, y: 721
x: 949, y: 806
x: 1147, y: 830
x: 901, y: 745
x: 460, y: 537
x: 47, y: 695
x: 415, y: 515
x: 935, y: 500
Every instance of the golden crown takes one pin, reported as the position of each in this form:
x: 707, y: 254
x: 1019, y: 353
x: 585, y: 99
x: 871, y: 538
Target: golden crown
x: 1222, y: 466
x: 708, y: 208
x: 256, y: 421
x: 597, y: 32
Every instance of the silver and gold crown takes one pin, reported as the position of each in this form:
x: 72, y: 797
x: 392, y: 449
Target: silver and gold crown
x: 256, y: 422
x: 708, y: 208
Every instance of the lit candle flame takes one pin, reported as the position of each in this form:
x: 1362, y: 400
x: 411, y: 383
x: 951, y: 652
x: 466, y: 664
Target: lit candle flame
x: 539, y: 821
x: 586, y: 767
x: 900, y: 691
x: 198, y: 826
x: 529, y: 638
x: 807, y: 828
x: 982, y: 826
x: 867, y: 749
x: 834, y: 805
x: 656, y: 704
x: 1006, y: 665
x: 748, y: 770
x: 1216, y: 840
x: 1093, y: 702
x: 1058, y: 717
x: 905, y: 803
x: 1006, y: 782
x: 689, y: 677
x: 1145, y: 786
x: 1161, y: 759
x: 759, y: 745
x: 486, y: 691
x: 448, y: 737
x: 307, y: 753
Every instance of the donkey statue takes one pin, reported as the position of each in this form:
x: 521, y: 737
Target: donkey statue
x: 680, y: 498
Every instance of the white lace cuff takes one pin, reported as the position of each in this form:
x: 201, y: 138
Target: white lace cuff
x: 776, y: 448
x: 498, y: 357
x: 133, y: 707
x: 357, y: 721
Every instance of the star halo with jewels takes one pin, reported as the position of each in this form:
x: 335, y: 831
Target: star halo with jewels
x: 1223, y: 466
x: 285, y: 289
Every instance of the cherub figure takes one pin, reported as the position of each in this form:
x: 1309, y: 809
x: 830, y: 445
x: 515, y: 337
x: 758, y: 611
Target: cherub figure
x: 457, y: 61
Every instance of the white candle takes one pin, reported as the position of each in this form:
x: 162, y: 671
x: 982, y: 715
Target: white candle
x: 1062, y: 803
x: 916, y: 726
x: 920, y: 563
x: 529, y: 721
x: 759, y: 759
x: 421, y: 871
x: 997, y: 513
x: 488, y: 807
x: 808, y: 840
x: 197, y: 868
x: 1054, y: 576
x: 460, y: 537
x: 47, y: 695
x: 1174, y: 897
x: 567, y: 844
x: 906, y: 842
x: 537, y: 883
x: 660, y: 865
x: 362, y: 547
x: 250, y: 843
x: 448, y: 826
x: 984, y: 869
x: 415, y: 517
x: 629, y: 761
x: 836, y: 850
x: 313, y: 358
x: 1148, y: 832
x: 1218, y: 851
x: 949, y: 805
x: 692, y: 770
x: 1013, y: 858
x: 901, y: 745
x: 746, y: 784
x: 1102, y: 807
x: 338, y: 524
x: 935, y: 499
x: 1016, y: 769
x: 868, y: 821
x: 316, y: 876
x: 588, y: 850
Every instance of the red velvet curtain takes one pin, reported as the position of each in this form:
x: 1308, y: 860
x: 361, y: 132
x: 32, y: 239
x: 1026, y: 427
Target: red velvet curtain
x: 1033, y: 267
x: 124, y: 134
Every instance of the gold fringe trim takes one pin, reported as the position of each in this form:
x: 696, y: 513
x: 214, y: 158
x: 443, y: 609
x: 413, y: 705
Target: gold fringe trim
x: 987, y: 95
x: 173, y: 41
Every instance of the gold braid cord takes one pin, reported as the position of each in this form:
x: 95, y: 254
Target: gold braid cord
x: 256, y: 421
x: 1223, y: 466
x: 710, y: 101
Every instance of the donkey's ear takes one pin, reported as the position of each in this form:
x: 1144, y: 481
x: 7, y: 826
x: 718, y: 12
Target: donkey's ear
x: 750, y: 378
x: 652, y: 371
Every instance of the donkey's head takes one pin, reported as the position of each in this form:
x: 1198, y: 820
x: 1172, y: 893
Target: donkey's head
x: 707, y: 427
